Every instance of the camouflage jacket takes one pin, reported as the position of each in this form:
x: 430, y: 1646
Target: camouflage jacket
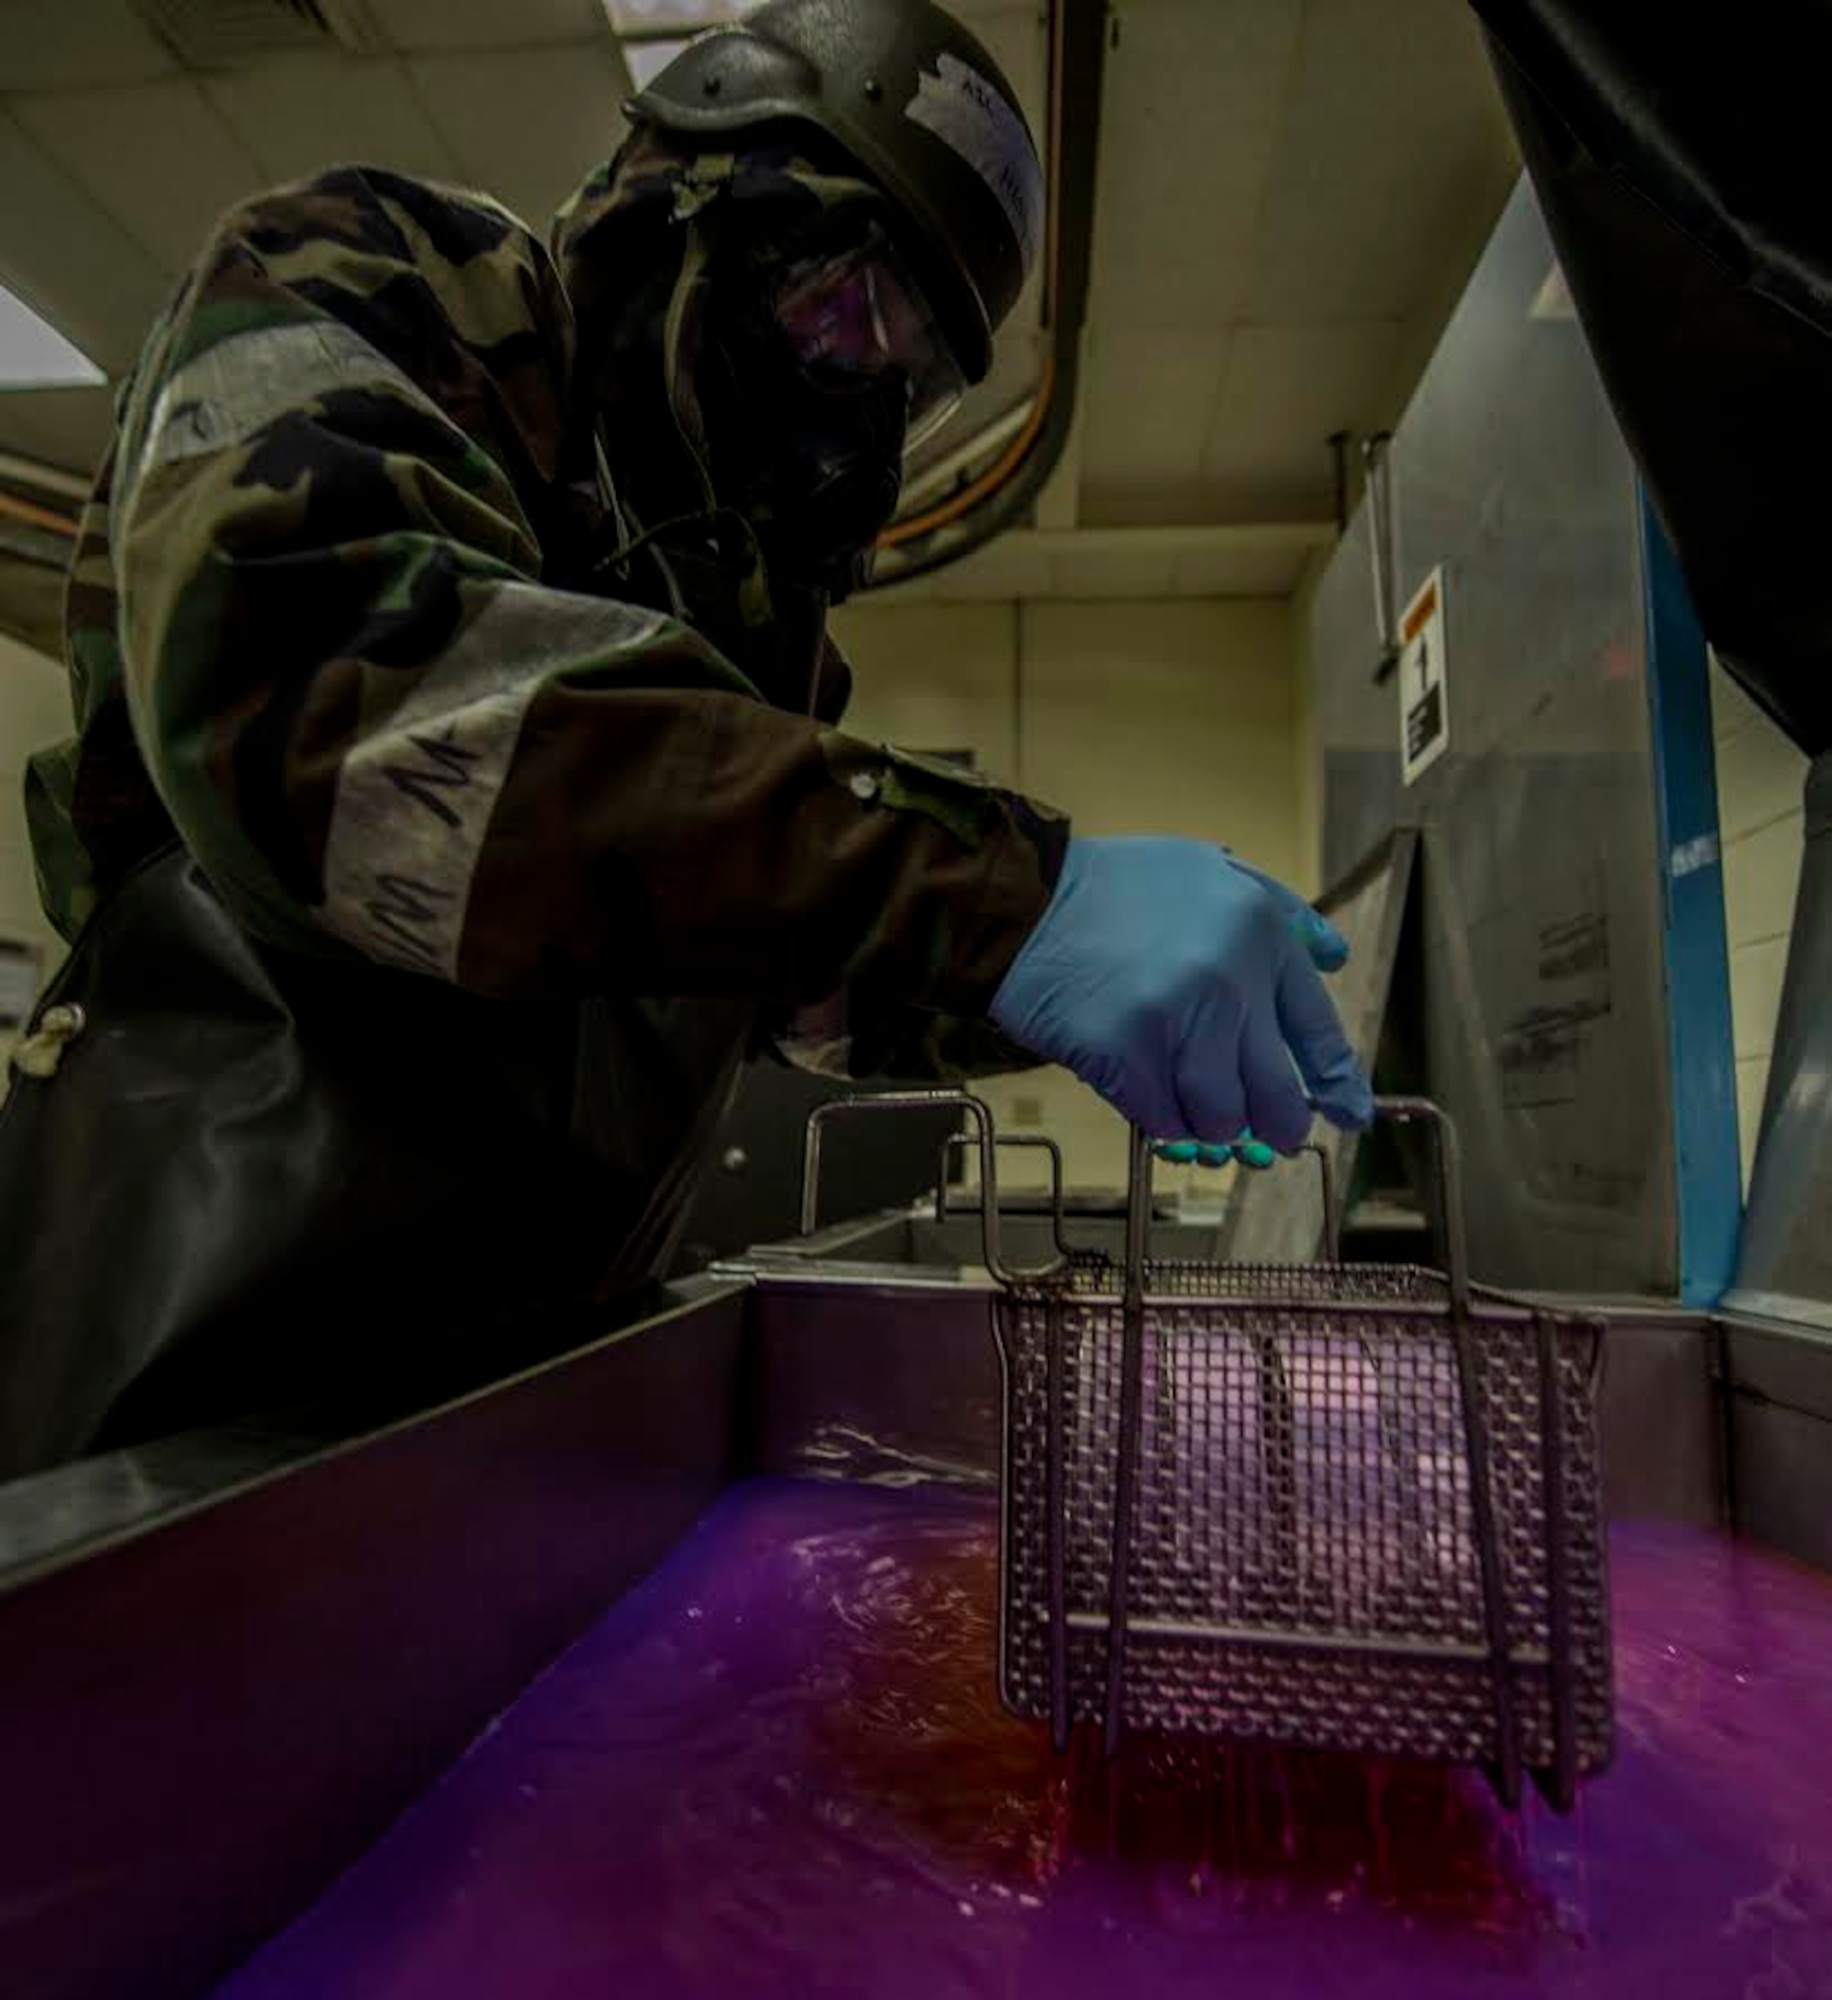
x: 323, y: 624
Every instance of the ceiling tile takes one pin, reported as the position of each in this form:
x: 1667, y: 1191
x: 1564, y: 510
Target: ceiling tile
x: 526, y: 125
x: 1153, y: 503
x: 1280, y: 185
x: 66, y: 427
x: 311, y: 112
x: 1189, y: 114
x: 918, y: 590
x: 416, y: 26
x: 68, y: 259
x: 157, y: 157
x: 1237, y: 572
x: 1393, y: 117
x: 1285, y: 390
x: 1147, y: 398
x: 996, y: 571
x: 1294, y: 180
x: 75, y: 43
x: 1111, y: 573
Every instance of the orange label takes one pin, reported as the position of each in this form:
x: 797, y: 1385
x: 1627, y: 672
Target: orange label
x: 1416, y: 617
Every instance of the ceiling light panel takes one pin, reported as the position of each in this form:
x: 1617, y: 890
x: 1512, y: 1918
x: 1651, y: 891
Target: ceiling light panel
x: 34, y: 355
x: 647, y: 60
x: 673, y: 17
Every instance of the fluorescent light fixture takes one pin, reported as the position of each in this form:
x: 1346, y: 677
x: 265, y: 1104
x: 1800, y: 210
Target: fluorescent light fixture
x: 679, y: 17
x: 647, y: 60
x: 654, y: 32
x: 34, y: 355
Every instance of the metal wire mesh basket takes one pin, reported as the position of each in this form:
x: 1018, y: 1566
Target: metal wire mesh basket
x: 1352, y: 1507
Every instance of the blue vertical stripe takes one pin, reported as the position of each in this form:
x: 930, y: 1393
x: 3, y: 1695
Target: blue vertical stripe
x: 1701, y: 1045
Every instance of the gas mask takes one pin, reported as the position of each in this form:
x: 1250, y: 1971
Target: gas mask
x: 821, y: 370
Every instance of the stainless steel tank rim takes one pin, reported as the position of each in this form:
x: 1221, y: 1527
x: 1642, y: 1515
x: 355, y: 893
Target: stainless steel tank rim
x: 1779, y: 1312
x: 807, y: 1262
x: 789, y: 1273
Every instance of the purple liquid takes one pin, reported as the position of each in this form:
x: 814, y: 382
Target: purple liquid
x: 780, y: 1768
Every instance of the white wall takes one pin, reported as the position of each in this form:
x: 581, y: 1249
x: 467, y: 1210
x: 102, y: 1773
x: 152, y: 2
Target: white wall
x: 1760, y: 778
x: 34, y: 711
x: 1172, y: 716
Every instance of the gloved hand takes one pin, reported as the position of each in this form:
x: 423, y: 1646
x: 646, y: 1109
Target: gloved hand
x: 1183, y: 986
x: 1246, y: 1150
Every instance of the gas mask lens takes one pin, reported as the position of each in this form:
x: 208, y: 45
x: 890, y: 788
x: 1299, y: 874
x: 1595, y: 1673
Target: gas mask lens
x: 852, y: 317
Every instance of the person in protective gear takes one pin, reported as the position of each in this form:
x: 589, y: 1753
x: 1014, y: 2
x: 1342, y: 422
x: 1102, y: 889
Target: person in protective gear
x: 457, y: 796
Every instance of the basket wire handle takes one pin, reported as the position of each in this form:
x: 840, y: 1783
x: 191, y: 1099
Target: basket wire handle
x: 1126, y: 1471
x: 1037, y: 1142
x: 1326, y: 1188
x: 1421, y: 1111
x: 985, y: 1135
x: 1559, y: 1784
x: 1449, y: 1163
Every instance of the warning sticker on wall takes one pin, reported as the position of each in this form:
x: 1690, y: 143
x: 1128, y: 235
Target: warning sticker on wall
x: 1424, y: 707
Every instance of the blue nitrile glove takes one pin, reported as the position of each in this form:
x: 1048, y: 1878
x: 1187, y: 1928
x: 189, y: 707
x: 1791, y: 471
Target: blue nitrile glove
x: 1183, y: 986
x: 1248, y: 1150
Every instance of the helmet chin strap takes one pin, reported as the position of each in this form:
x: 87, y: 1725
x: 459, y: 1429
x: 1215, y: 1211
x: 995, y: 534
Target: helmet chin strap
x: 703, y: 181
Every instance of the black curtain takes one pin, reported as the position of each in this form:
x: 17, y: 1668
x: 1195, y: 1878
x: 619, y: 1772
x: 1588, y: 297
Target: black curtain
x: 1683, y: 158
